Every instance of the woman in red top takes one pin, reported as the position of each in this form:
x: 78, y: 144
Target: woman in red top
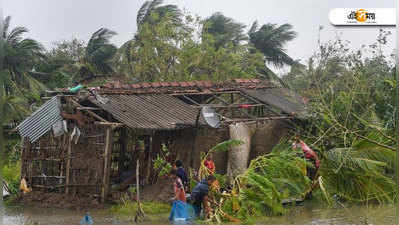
x: 210, y: 165
x: 180, y: 194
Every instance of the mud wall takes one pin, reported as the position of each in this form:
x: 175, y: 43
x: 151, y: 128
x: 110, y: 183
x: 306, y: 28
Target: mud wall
x: 266, y: 136
x: 45, y: 162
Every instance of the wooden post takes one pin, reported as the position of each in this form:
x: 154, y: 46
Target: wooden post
x: 137, y: 180
x: 195, y: 131
x: 107, y: 164
x: 68, y: 166
x: 232, y: 102
x: 25, y: 149
x: 149, y: 158
x: 140, y: 212
x: 122, y: 152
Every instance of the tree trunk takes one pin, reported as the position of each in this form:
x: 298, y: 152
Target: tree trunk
x: 238, y: 156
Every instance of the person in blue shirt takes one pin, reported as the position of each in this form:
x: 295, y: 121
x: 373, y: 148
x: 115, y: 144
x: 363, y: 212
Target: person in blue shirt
x: 199, y: 195
x: 181, y: 173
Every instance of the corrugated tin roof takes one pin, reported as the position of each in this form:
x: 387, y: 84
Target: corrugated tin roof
x: 41, y: 121
x: 155, y: 111
x: 281, y: 98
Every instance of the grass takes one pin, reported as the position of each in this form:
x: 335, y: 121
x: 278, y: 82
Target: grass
x: 11, y: 174
x: 150, y: 208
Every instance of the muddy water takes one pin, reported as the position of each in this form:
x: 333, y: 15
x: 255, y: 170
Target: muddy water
x: 309, y: 214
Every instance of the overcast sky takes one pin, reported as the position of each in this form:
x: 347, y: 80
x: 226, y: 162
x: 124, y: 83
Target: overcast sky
x: 52, y: 20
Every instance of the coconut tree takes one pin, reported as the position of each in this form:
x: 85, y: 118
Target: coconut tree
x: 153, y: 11
x: 20, y: 55
x: 223, y: 30
x: 270, y: 40
x: 98, y: 55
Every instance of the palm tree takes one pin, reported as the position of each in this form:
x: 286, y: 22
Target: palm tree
x: 20, y: 55
x: 223, y: 30
x: 270, y: 40
x: 153, y: 11
x: 98, y: 54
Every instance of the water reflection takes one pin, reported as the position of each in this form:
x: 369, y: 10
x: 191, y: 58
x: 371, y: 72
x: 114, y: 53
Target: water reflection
x: 301, y: 215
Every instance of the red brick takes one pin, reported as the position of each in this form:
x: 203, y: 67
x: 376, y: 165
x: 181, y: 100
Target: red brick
x: 165, y: 84
x: 183, y: 84
x: 135, y: 86
x: 175, y: 84
x: 146, y: 85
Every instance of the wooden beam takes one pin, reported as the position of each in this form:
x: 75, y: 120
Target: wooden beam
x: 259, y: 119
x: 267, y: 106
x: 107, y: 164
x: 87, y: 108
x: 191, y: 100
x: 204, y: 93
x: 90, y: 112
x: 46, y: 98
x: 109, y: 124
x: 228, y: 106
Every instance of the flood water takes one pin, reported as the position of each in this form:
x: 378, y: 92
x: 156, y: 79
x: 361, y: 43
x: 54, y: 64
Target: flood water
x: 308, y: 214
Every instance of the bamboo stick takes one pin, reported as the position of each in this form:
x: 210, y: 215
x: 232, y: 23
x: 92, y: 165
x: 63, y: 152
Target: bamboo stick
x: 107, y: 158
x: 140, y: 212
x: 68, y: 165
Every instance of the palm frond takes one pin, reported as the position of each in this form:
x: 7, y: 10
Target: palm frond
x: 15, y: 35
x: 225, y: 145
x: 6, y: 26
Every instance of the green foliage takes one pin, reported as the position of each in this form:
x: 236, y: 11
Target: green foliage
x: 351, y: 119
x: 222, y: 179
x: 153, y: 12
x: 359, y: 173
x: 20, y: 56
x: 225, y: 145
x: 348, y: 93
x: 270, y: 39
x: 203, y: 172
x: 270, y: 179
x: 60, y: 63
x: 161, y: 165
x: 11, y: 174
x: 166, y: 52
x: 221, y: 31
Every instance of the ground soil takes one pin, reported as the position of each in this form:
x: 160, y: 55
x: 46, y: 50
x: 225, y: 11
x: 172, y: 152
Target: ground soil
x: 56, y: 200
x: 162, y: 191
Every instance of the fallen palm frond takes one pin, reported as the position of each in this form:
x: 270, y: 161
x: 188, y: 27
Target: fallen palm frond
x: 272, y: 178
x: 359, y: 173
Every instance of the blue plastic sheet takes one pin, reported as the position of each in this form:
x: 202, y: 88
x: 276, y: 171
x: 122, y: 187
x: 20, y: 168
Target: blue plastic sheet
x: 181, y: 211
x: 87, y: 220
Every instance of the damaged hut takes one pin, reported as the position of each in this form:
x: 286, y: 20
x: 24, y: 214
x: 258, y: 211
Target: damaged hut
x: 82, y: 143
